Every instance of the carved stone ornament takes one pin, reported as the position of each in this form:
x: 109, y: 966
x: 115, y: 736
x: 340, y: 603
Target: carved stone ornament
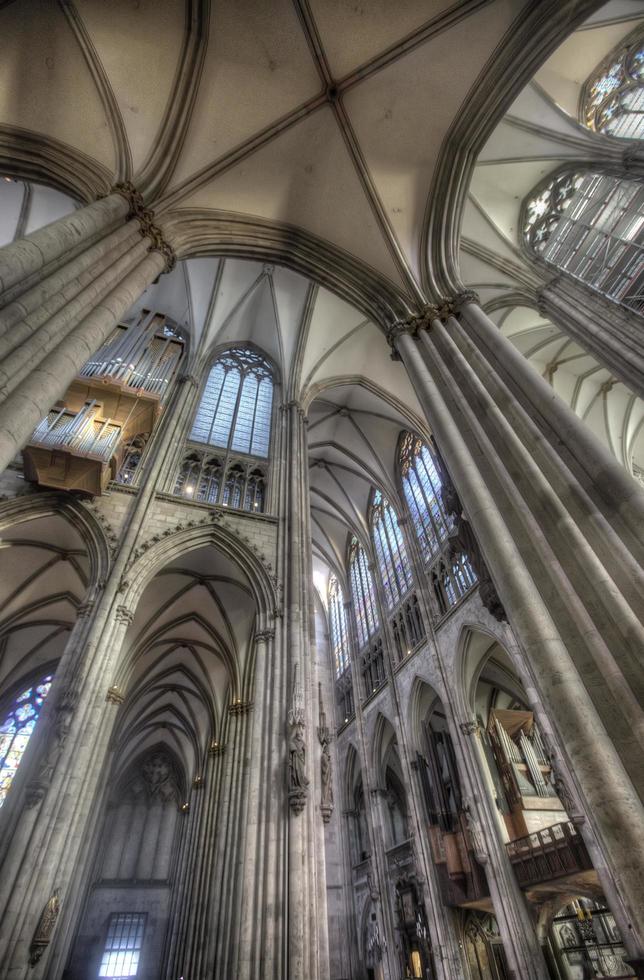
x: 469, y: 727
x: 44, y: 929
x: 114, y: 696
x: 298, y: 782
x: 326, y: 772
x: 475, y: 834
x: 148, y: 227
x: 563, y: 791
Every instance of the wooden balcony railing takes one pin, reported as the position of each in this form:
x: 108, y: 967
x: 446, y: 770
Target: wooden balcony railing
x: 549, y: 853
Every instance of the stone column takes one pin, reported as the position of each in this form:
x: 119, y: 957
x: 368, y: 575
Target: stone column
x: 540, y: 582
x: 26, y: 258
x: 607, y: 330
x: 48, y: 848
x: 66, y: 287
x: 306, y: 905
x: 381, y: 888
x: 444, y: 942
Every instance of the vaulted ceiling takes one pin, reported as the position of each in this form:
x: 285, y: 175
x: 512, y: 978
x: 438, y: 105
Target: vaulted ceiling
x: 44, y: 568
x: 322, y: 117
x: 323, y: 127
x: 186, y: 657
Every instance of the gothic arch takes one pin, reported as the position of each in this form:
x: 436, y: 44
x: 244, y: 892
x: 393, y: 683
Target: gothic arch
x: 21, y: 510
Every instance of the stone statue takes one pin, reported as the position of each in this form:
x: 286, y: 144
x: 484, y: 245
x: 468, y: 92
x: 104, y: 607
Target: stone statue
x: 45, y: 928
x: 476, y: 835
x: 297, y: 750
x: 325, y: 770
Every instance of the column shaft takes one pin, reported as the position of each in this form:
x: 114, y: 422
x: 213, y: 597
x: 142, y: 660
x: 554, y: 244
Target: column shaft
x: 24, y: 408
x: 29, y: 256
x: 616, y: 807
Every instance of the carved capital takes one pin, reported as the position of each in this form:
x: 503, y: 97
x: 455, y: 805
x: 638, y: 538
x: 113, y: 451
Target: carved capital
x: 457, y: 302
x: 264, y: 636
x: 124, y: 615
x: 469, y: 727
x: 188, y: 379
x: 114, y: 696
x: 216, y: 748
x: 240, y: 707
x: 147, y: 226
x: 85, y: 609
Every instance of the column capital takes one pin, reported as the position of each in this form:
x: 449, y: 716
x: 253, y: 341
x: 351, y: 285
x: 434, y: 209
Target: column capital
x: 114, y: 696
x: 459, y: 300
x: 264, y: 636
x: 147, y: 225
x: 240, y: 707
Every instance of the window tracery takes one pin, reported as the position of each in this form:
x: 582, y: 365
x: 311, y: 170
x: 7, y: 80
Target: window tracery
x: 591, y: 226
x: 613, y: 97
x: 422, y: 490
x: 362, y: 593
x: 234, y: 414
x: 391, y: 553
x: 338, y: 626
x: 16, y: 730
x: 236, y: 403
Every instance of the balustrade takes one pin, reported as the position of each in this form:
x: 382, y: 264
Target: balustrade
x: 552, y: 852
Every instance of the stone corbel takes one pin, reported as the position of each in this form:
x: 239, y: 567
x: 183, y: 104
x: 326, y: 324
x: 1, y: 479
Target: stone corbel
x: 469, y: 727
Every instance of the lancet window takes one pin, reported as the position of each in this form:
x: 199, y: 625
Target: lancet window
x: 591, y: 226
x: 613, y: 96
x: 338, y: 626
x: 422, y: 489
x: 17, y: 728
x: 391, y: 554
x: 362, y: 593
x: 235, y: 408
x: 234, y: 414
x: 451, y: 576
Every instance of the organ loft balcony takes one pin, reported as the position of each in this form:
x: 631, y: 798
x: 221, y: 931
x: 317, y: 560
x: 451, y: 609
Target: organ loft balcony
x: 109, y: 411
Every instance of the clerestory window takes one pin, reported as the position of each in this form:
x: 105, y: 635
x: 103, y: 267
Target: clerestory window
x: 235, y: 408
x: 591, y: 226
x: 338, y: 626
x: 391, y: 554
x: 362, y: 593
x: 613, y: 97
x: 422, y: 489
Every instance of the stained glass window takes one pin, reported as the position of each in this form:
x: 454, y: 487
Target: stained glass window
x: 362, y: 592
x: 235, y: 407
x: 422, y: 490
x: 592, y: 226
x: 613, y: 97
x: 16, y: 730
x: 338, y: 622
x: 122, y: 946
x: 391, y: 553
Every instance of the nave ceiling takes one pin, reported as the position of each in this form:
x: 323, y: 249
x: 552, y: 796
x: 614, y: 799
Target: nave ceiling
x: 353, y: 171
x: 317, y: 118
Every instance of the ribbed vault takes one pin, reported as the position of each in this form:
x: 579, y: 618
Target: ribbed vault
x: 184, y: 657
